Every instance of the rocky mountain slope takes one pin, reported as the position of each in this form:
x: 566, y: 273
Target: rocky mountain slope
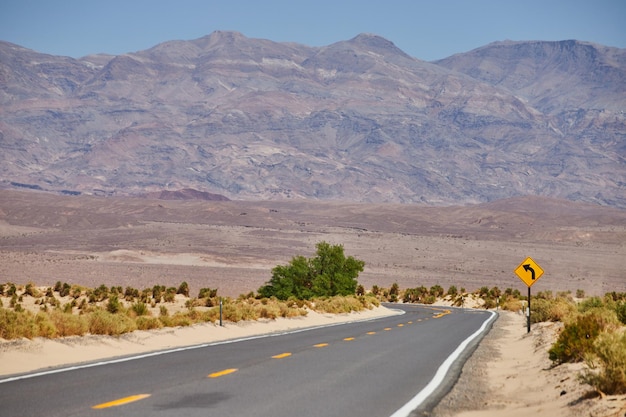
x: 357, y: 120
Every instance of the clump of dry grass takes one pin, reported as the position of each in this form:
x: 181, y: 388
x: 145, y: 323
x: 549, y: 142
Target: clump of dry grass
x: 107, y: 323
x: 344, y: 304
x: 607, y: 364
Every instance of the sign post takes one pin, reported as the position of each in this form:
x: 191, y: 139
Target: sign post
x: 529, y: 272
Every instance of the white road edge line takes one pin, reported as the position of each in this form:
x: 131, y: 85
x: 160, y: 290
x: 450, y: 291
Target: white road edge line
x: 180, y: 349
x: 415, y: 402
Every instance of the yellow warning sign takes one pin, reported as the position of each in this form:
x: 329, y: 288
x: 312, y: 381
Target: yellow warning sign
x: 529, y: 272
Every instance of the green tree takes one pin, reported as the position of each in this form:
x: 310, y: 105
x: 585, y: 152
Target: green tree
x: 290, y: 280
x: 329, y: 273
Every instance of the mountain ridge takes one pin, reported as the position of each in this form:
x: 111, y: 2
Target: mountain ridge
x: 355, y: 120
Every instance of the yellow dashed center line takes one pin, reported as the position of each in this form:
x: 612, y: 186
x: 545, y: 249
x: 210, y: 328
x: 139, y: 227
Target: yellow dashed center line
x: 121, y: 401
x: 279, y: 356
x: 222, y: 373
x: 445, y: 312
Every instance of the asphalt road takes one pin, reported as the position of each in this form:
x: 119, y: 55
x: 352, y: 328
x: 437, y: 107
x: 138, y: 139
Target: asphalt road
x: 369, y: 368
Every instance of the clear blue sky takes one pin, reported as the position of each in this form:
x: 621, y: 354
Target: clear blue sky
x: 425, y: 29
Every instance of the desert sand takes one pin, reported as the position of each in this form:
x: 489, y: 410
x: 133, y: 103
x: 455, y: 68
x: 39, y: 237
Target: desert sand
x: 234, y: 245
x: 509, y: 374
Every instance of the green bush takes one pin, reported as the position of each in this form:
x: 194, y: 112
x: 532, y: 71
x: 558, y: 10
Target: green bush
x: 375, y: 289
x: 437, y: 290
x: 12, y: 290
x: 131, y: 293
x: 207, y: 293
x: 610, y: 353
x: 157, y: 292
x: 183, y: 289
x: 99, y: 294
x: 452, y: 291
x: 577, y: 338
x: 114, y: 305
x: 415, y: 295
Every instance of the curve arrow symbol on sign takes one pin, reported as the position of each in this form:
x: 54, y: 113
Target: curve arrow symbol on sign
x: 527, y: 267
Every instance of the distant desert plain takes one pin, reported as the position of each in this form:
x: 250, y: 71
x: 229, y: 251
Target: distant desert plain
x: 233, y: 245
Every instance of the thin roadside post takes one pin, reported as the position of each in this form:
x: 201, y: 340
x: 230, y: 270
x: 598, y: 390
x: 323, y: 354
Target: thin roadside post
x: 220, y: 311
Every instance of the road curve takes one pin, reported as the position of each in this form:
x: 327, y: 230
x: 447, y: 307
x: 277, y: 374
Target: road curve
x: 388, y: 366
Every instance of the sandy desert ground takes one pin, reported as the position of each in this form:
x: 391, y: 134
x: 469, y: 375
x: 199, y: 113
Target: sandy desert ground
x: 234, y: 245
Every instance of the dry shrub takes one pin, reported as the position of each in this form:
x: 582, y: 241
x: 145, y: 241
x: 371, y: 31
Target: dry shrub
x: 212, y: 315
x: 610, y: 353
x: 577, y: 338
x: 557, y: 309
x: 511, y: 304
x: 45, y: 326
x: 14, y: 325
x: 103, y: 322
x: 369, y: 301
x: 68, y: 324
x: 139, y: 309
x: 148, y: 323
x: 338, y: 305
x: 247, y: 311
x: 179, y: 319
x: 231, y: 313
x: 269, y: 311
x: 562, y: 309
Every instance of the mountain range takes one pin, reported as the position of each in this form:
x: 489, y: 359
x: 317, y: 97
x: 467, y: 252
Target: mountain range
x: 357, y: 120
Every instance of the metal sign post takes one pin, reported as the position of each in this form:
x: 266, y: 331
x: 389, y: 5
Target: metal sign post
x: 220, y: 311
x: 529, y: 272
